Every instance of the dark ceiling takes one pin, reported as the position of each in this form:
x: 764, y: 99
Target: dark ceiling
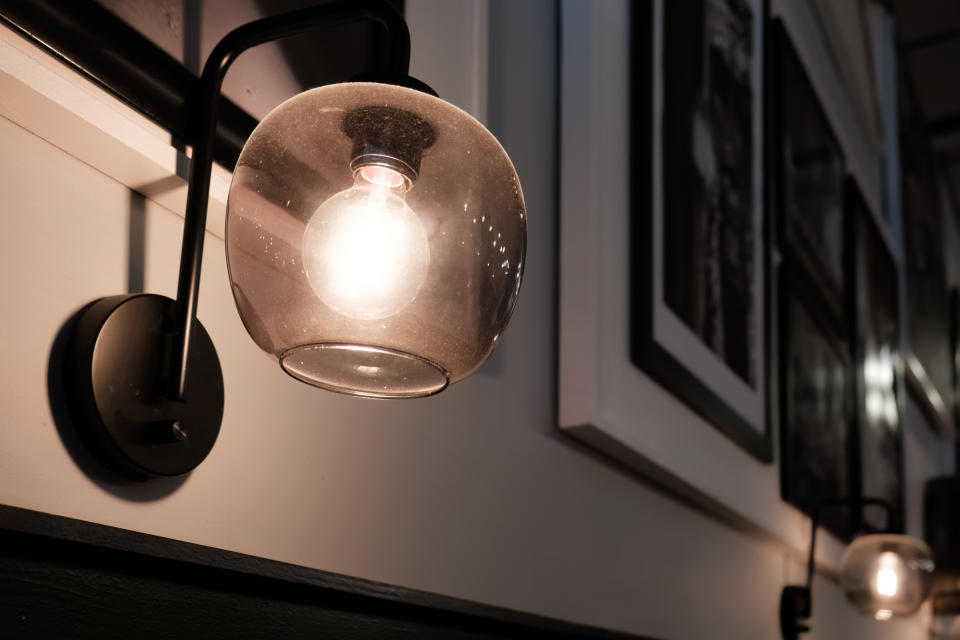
x: 928, y: 43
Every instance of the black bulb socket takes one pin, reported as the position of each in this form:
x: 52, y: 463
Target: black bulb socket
x: 388, y: 137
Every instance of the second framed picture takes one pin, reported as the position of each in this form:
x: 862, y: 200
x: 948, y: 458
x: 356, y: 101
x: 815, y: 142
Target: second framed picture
x: 814, y: 354
x: 840, y: 372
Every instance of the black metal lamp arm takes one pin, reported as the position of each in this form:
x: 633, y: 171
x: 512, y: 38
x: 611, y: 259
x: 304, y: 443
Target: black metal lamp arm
x: 796, y: 601
x: 395, y: 65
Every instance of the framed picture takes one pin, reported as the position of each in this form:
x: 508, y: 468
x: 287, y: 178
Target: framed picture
x: 813, y: 357
x: 876, y: 327
x: 928, y: 366
x: 698, y: 321
x: 604, y: 399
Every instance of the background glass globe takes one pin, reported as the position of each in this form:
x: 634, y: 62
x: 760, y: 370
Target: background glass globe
x: 886, y: 575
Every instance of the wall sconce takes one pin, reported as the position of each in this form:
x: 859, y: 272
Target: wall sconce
x: 375, y: 244
x: 882, y: 574
x: 941, y: 529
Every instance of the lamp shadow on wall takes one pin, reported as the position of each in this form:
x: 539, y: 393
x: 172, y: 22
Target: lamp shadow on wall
x: 136, y: 243
x: 58, y: 373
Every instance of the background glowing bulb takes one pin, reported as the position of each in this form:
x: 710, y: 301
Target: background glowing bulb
x: 365, y: 252
x: 886, y: 575
x: 888, y: 580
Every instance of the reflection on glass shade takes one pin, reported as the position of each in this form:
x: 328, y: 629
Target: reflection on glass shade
x: 887, y: 575
x: 375, y: 240
x: 883, y: 614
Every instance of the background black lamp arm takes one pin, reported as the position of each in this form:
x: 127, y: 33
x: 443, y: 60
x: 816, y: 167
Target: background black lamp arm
x: 395, y: 65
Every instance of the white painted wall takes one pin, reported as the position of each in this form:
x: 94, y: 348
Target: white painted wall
x: 473, y: 493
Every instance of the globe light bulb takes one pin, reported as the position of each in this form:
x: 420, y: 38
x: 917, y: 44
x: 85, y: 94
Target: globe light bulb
x: 365, y: 252
x: 887, y: 580
x: 886, y: 575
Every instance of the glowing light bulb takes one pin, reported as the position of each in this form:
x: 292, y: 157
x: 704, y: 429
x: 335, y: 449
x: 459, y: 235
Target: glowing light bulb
x: 365, y: 252
x: 887, y: 578
x: 883, y: 614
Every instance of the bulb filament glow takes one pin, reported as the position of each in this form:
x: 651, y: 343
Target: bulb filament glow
x: 365, y: 252
x: 887, y: 582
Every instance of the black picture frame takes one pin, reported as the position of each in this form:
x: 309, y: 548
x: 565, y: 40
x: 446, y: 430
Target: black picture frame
x: 874, y: 310
x: 813, y: 367
x: 928, y: 367
x: 698, y: 323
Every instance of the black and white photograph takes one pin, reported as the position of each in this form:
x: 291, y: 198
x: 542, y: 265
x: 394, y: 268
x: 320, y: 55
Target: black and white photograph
x: 878, y: 360
x: 708, y: 182
x: 701, y: 333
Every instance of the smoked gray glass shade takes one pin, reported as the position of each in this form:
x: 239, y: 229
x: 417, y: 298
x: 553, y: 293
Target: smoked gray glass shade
x: 375, y: 240
x: 886, y: 575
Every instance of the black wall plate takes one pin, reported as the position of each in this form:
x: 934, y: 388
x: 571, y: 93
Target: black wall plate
x: 117, y: 388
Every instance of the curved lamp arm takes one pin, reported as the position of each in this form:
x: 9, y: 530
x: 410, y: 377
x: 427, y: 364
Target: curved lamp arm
x: 796, y: 602
x: 395, y: 66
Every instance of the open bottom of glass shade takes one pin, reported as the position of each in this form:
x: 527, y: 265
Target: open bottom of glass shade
x: 362, y: 370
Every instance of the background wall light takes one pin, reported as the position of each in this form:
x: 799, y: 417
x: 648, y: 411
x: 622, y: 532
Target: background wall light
x: 375, y: 244
x: 886, y: 575
x: 942, y: 532
x: 882, y: 574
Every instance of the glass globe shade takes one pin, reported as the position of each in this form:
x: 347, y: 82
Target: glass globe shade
x: 886, y: 575
x: 375, y: 240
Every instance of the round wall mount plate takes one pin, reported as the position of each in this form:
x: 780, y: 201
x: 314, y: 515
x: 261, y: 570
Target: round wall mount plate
x: 117, y: 382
